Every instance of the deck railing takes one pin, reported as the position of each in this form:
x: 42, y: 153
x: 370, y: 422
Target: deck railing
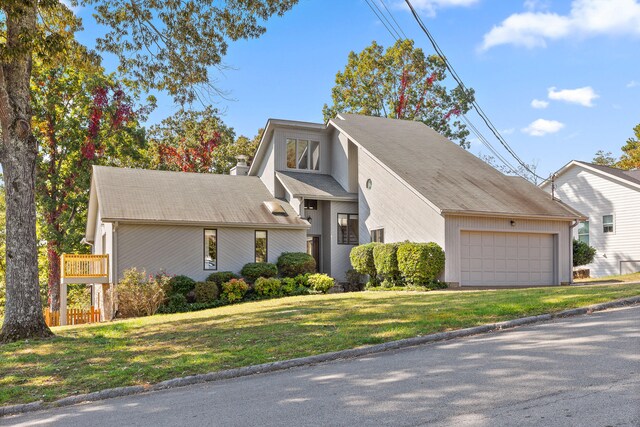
x: 77, y: 266
x: 75, y: 316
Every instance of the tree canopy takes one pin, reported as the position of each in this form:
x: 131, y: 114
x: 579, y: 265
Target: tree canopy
x: 401, y: 82
x: 630, y: 158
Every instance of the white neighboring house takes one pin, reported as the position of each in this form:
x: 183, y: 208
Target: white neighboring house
x: 353, y: 180
x: 610, y: 198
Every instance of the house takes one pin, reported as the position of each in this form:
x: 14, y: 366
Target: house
x: 610, y: 198
x: 324, y: 188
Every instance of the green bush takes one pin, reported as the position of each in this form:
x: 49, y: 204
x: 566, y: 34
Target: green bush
x: 298, y: 285
x: 181, y: 285
x: 386, y: 262
x: 253, y: 270
x: 219, y: 277
x: 321, y: 282
x: 292, y: 264
x: 207, y: 292
x: 362, y: 261
x: 583, y: 254
x: 176, y: 303
x: 234, y: 290
x: 355, y: 282
x: 137, y: 295
x: 420, y: 263
x: 269, y: 287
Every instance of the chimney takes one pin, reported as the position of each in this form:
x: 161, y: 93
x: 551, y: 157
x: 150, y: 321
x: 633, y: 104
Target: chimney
x: 241, y: 168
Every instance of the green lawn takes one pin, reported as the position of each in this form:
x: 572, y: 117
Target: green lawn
x: 620, y: 278
x: 147, y: 350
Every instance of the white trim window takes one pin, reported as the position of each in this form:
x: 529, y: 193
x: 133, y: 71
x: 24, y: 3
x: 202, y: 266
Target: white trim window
x: 607, y: 223
x: 583, y: 232
x: 211, y: 249
x: 303, y: 154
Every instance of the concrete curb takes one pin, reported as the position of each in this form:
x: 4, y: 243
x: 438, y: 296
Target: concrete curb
x: 312, y: 360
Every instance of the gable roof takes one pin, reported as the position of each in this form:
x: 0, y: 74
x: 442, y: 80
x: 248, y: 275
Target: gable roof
x: 152, y: 196
x: 445, y: 174
x: 314, y: 186
x: 631, y: 177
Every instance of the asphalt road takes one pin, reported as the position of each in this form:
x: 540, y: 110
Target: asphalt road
x: 580, y: 371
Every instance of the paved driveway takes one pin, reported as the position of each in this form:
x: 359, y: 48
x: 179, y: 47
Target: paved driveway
x: 582, y: 371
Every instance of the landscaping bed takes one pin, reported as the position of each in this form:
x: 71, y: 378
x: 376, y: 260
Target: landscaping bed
x: 88, y: 358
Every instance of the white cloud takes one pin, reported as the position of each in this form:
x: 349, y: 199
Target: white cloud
x: 429, y: 7
x: 583, y: 96
x: 539, y: 104
x: 587, y: 18
x: 543, y: 127
x: 633, y: 83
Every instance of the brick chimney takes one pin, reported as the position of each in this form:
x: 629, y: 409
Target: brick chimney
x: 241, y: 168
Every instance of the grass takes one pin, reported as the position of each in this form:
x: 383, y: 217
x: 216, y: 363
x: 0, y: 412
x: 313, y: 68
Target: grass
x: 87, y: 358
x: 619, y: 278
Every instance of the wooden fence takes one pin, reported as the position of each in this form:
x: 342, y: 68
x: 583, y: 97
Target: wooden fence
x: 75, y: 316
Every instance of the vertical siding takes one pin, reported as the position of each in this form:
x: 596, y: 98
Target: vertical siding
x: 280, y: 136
x: 266, y: 172
x: 595, y: 194
x: 340, y: 262
x: 316, y: 218
x: 340, y: 159
x: 454, y: 224
x: 326, y: 240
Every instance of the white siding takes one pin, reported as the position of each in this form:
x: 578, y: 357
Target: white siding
x: 340, y: 159
x: 455, y: 224
x: 267, y: 168
x: 316, y: 218
x: 594, y: 194
x: 280, y: 136
x: 391, y: 205
x: 179, y: 249
x: 339, y: 254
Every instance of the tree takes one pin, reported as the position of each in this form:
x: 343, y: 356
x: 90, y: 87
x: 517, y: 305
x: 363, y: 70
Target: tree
x: 401, y: 83
x: 583, y: 254
x: 528, y: 173
x: 3, y: 238
x: 630, y: 158
x: 167, y: 46
x: 604, y: 159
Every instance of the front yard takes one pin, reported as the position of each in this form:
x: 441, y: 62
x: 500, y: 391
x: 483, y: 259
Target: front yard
x: 147, y: 350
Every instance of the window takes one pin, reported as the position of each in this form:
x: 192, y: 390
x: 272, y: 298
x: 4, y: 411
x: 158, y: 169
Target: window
x: 303, y: 154
x: 347, y: 229
x: 377, y: 235
x: 583, y: 232
x: 261, y: 246
x: 311, y: 205
x: 607, y: 224
x: 210, y: 249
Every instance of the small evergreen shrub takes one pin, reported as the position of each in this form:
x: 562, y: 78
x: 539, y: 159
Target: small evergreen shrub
x: 321, y: 282
x: 176, y: 303
x: 138, y: 295
x: 292, y: 264
x: 206, y: 292
x: 298, y: 285
x: 219, y: 277
x: 181, y: 285
x: 355, y: 281
x: 420, y: 263
x: 253, y: 270
x: 362, y: 261
x: 386, y: 262
x: 234, y: 290
x: 269, y: 287
x: 583, y: 254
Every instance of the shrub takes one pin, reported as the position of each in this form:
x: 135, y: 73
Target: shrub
x: 292, y: 264
x: 253, y: 270
x: 362, y: 261
x: 206, y: 292
x: 583, y: 254
x: 219, y: 277
x: 321, y: 282
x: 234, y: 290
x: 268, y: 287
x: 181, y: 285
x: 355, y: 282
x: 138, y: 295
x: 176, y: 303
x: 386, y: 262
x: 420, y: 263
x: 298, y: 285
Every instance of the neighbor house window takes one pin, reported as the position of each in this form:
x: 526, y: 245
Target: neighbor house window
x: 261, y: 246
x: 303, y: 154
x: 583, y: 232
x: 210, y: 249
x: 311, y: 205
x: 347, y: 229
x: 607, y: 224
x: 377, y: 235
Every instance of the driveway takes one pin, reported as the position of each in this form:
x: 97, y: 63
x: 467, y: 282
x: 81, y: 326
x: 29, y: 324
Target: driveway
x: 571, y: 372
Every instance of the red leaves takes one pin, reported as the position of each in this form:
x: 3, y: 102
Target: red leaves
x: 402, y: 97
x: 197, y: 158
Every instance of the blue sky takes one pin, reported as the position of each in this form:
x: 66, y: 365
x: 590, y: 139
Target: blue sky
x: 560, y: 79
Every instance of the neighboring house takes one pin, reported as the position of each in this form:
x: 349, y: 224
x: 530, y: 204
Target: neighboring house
x: 326, y: 188
x: 610, y: 198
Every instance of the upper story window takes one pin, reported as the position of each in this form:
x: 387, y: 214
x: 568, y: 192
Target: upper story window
x: 347, y: 229
x: 310, y: 204
x: 303, y: 154
x: 210, y: 249
x: 607, y: 224
x: 377, y: 235
x: 583, y: 232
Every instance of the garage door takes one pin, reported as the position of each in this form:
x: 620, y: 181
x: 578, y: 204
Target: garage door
x: 506, y: 259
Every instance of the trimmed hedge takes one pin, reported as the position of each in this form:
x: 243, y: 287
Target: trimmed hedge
x: 298, y: 285
x: 386, y: 262
x: 253, y: 270
x: 292, y: 264
x: 181, y: 285
x: 269, y: 287
x: 362, y: 261
x: 234, y: 290
x: 207, y: 292
x: 420, y: 263
x: 321, y: 282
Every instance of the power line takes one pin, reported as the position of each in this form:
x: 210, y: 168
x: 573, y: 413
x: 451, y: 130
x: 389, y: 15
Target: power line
x: 383, y: 21
x: 394, y: 19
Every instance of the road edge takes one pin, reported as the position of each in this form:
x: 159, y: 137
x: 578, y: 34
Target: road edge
x: 311, y: 360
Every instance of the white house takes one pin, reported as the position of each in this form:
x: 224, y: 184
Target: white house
x: 324, y: 188
x: 610, y: 198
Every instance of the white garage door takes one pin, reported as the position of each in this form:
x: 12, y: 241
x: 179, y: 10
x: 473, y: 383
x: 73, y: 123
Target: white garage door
x: 506, y: 259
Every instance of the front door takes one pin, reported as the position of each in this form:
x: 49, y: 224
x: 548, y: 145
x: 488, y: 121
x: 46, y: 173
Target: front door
x: 313, y: 249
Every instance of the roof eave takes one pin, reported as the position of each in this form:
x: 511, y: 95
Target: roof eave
x: 452, y: 212
x: 304, y: 225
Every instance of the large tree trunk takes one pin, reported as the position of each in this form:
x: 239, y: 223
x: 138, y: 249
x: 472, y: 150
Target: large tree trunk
x: 53, y: 257
x: 23, y: 310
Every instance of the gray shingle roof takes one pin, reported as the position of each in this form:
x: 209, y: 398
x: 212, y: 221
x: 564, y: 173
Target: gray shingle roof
x: 631, y: 176
x: 451, y: 178
x: 314, y: 186
x: 180, y: 197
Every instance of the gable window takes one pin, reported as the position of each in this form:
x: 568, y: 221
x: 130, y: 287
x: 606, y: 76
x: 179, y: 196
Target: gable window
x: 261, y: 246
x: 311, y: 205
x: 377, y: 235
x: 607, y: 224
x: 347, y: 229
x: 303, y: 154
x: 210, y: 249
x: 583, y: 232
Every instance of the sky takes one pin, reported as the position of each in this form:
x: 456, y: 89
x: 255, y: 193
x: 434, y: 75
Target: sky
x: 559, y: 79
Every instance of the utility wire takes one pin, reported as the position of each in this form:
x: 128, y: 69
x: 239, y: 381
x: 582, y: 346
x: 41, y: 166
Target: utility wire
x: 394, y: 19
x: 383, y: 21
